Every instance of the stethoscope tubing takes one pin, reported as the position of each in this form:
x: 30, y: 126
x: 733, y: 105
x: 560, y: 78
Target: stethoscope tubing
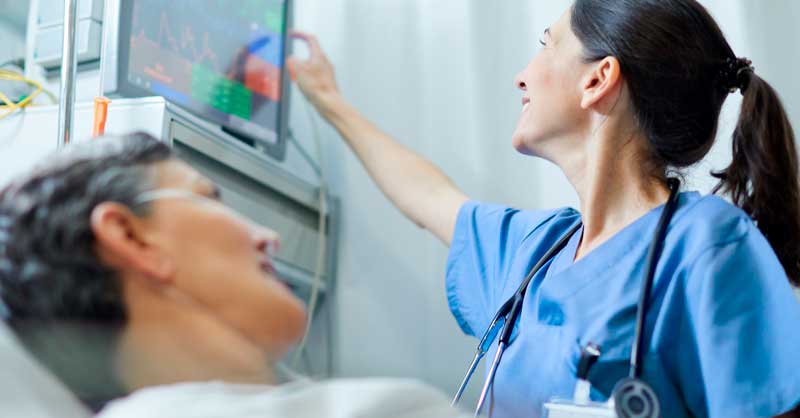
x: 508, y: 314
x: 503, y: 324
x: 653, y: 254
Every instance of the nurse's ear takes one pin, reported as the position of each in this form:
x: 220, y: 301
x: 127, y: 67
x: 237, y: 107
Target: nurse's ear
x: 122, y: 243
x: 602, y: 85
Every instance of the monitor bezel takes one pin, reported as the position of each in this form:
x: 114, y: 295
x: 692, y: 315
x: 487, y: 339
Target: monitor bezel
x: 276, y: 150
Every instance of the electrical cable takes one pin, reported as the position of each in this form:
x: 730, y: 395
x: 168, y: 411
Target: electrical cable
x: 289, y: 374
x: 314, y: 166
x: 12, y: 106
x: 11, y: 75
x: 304, y: 153
x: 322, y: 224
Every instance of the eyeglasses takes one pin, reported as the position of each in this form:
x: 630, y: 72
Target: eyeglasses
x: 161, y: 194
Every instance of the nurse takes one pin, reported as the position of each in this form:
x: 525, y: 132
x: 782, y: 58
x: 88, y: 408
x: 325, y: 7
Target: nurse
x: 622, y: 93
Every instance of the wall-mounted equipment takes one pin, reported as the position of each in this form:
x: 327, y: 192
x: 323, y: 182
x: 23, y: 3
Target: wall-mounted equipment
x: 50, y: 27
x: 223, y: 64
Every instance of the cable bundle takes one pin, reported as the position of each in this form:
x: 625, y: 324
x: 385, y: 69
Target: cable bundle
x: 9, y: 106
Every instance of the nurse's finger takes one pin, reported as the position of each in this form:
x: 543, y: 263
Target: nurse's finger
x: 314, y: 48
x: 291, y: 65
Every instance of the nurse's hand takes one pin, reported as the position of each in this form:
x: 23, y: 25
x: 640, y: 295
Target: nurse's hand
x: 315, y: 76
x: 418, y: 188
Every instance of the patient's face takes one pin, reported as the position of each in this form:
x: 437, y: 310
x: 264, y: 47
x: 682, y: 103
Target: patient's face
x: 219, y: 261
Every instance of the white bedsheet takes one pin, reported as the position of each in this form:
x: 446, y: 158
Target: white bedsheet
x: 348, y: 398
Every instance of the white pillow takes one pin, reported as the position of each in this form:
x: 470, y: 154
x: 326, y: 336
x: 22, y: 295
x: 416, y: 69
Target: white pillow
x: 27, y: 389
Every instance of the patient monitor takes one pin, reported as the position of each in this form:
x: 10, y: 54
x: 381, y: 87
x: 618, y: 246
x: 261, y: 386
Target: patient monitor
x: 221, y: 61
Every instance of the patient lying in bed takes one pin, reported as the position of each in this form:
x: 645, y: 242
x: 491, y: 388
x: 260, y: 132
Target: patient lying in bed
x: 124, y: 273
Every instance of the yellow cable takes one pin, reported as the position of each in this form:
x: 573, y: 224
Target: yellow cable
x: 16, y: 77
x: 7, y: 101
x: 11, y: 106
x: 12, y: 76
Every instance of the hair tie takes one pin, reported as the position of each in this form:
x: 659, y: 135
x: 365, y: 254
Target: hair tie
x: 735, y: 74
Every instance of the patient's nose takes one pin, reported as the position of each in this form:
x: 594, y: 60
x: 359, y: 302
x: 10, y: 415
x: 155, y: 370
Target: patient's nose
x: 266, y: 240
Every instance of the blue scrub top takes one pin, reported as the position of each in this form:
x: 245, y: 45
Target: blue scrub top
x: 722, y: 334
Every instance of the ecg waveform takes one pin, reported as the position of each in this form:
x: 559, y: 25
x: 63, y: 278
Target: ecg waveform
x: 219, y: 59
x: 186, y: 45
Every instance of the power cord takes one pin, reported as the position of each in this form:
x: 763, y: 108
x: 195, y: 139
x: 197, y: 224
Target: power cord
x: 305, y: 154
x: 317, y: 166
x: 11, y: 106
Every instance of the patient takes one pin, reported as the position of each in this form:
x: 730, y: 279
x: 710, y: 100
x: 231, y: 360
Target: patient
x: 121, y: 270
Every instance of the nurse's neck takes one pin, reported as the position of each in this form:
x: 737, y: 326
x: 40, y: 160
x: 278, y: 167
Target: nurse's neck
x: 609, y: 177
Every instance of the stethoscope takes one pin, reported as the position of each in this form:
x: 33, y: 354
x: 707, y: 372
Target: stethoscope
x: 633, y: 398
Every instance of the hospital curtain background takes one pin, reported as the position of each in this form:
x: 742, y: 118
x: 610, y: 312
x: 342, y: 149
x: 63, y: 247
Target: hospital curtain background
x: 437, y: 75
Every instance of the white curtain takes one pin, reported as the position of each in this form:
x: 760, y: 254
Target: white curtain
x: 437, y: 74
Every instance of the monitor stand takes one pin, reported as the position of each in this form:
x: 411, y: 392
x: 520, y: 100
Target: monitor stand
x: 240, y: 136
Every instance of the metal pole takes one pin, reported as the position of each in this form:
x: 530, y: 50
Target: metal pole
x: 66, y: 104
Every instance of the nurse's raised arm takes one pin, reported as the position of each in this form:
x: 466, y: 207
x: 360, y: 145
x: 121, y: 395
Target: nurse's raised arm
x: 414, y: 185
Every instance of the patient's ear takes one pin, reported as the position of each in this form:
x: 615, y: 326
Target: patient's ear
x: 122, y: 243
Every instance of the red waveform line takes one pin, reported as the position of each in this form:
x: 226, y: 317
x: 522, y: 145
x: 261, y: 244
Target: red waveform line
x: 186, y: 43
x: 159, y: 74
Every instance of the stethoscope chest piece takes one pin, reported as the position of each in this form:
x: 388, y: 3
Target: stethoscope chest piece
x: 633, y: 398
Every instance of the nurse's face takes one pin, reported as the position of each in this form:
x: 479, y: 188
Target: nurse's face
x: 551, y: 94
x: 219, y: 261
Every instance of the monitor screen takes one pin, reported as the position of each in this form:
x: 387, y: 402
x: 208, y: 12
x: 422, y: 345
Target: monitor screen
x: 221, y: 60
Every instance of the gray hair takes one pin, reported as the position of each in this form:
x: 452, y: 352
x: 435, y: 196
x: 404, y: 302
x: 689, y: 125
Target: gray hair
x: 48, y: 265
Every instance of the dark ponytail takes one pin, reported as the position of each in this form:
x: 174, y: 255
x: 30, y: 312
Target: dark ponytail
x: 679, y: 69
x: 762, y: 179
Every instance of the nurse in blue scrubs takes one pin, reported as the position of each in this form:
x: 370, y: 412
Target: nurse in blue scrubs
x: 621, y: 94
